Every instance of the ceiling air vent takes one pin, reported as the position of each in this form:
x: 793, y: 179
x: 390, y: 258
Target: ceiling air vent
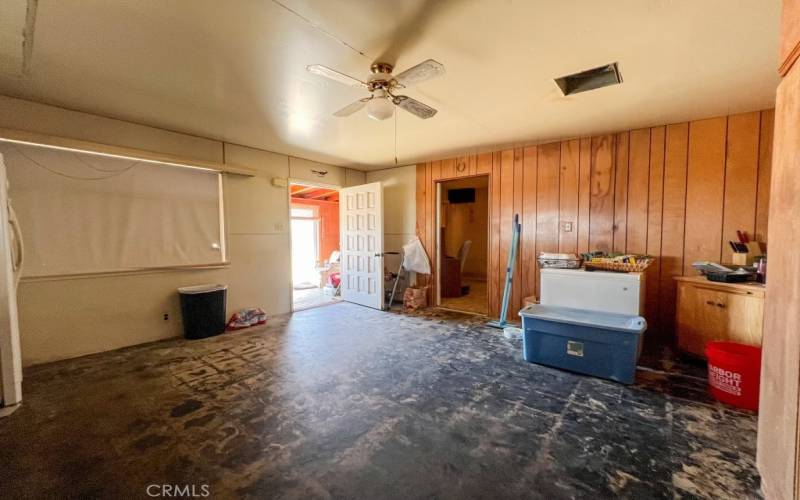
x: 590, y: 79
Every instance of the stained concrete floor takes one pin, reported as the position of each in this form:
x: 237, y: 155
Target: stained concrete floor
x: 349, y: 402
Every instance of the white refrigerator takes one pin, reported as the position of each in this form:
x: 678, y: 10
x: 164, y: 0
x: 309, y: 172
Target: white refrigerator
x: 10, y: 265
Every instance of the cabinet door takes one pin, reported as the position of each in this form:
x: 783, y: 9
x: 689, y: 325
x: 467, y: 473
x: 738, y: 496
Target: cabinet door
x: 685, y: 317
x: 743, y: 316
x: 701, y: 318
x: 713, y: 318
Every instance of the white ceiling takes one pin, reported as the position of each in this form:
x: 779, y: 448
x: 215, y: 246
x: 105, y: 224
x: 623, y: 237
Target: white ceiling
x: 235, y: 70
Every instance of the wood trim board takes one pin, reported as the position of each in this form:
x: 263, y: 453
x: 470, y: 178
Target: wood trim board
x: 778, y: 456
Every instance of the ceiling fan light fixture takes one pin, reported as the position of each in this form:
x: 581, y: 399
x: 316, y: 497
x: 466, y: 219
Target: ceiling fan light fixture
x: 380, y: 107
x: 381, y: 102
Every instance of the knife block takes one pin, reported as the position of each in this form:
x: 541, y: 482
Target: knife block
x: 740, y: 259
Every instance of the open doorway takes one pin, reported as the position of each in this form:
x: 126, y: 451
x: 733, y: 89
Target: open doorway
x: 315, y: 245
x: 464, y: 242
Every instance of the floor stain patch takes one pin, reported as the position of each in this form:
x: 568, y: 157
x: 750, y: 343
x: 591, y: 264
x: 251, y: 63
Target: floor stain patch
x: 186, y: 408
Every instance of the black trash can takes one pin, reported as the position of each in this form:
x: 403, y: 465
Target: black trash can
x: 203, y: 310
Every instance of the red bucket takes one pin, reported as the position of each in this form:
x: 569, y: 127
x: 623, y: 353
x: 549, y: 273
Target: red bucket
x: 734, y: 373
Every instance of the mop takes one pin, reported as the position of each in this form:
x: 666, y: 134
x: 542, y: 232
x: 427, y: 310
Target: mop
x: 509, y: 331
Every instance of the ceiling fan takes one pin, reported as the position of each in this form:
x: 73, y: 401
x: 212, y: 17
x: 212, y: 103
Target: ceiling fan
x: 383, y: 86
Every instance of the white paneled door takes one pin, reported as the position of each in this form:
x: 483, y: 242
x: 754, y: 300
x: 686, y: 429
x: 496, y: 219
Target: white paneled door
x: 361, y: 230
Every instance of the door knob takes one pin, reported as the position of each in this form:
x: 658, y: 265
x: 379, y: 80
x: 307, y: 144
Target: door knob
x: 378, y: 255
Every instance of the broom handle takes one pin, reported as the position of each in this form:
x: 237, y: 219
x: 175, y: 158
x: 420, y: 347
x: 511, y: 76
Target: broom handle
x: 512, y: 256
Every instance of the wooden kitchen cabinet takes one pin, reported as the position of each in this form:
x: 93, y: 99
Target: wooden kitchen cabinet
x: 708, y: 311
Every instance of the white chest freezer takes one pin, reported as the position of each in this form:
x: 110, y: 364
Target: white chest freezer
x: 621, y: 293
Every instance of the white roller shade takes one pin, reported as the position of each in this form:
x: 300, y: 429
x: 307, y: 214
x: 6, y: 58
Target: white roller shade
x: 83, y: 213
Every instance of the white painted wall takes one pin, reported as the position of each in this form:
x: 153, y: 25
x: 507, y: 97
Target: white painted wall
x: 399, y: 207
x: 63, y: 318
x: 354, y: 177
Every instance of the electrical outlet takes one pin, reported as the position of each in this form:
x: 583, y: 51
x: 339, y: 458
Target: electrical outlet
x: 166, y: 316
x: 278, y: 226
x: 566, y: 227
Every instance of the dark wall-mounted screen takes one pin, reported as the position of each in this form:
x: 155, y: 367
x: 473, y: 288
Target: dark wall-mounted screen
x: 466, y: 195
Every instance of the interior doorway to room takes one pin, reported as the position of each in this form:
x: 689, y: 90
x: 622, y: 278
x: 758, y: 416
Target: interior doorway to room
x: 463, y: 244
x: 315, y: 245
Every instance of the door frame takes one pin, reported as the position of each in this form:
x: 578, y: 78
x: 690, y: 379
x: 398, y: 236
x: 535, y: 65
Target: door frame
x: 290, y: 182
x: 437, y: 296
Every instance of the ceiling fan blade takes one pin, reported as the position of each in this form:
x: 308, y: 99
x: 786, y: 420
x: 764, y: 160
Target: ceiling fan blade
x: 423, y: 71
x: 352, y: 107
x: 414, y: 107
x: 334, y: 75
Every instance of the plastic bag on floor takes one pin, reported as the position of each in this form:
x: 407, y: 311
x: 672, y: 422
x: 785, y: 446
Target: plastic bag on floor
x: 250, y: 316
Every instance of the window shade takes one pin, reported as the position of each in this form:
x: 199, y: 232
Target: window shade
x: 82, y: 213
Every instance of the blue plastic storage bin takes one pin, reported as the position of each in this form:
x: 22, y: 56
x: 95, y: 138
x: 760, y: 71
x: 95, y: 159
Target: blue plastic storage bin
x: 605, y: 345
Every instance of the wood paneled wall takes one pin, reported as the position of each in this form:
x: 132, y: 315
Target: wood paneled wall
x: 678, y: 192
